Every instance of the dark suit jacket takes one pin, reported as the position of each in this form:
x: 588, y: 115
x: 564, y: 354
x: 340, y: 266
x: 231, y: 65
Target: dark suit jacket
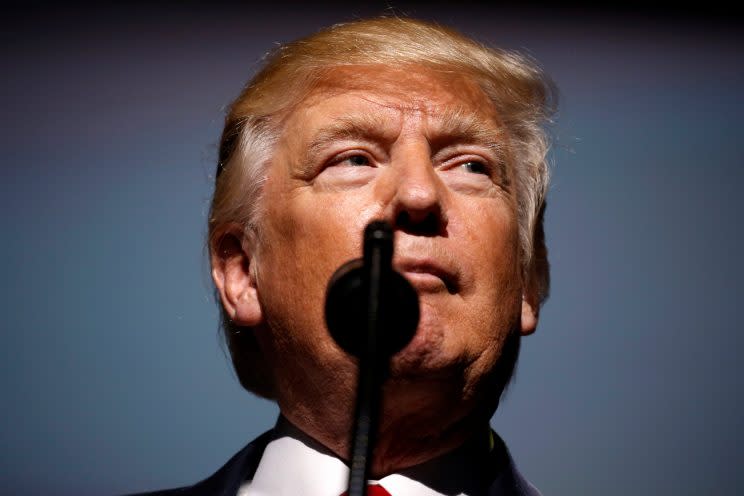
x: 504, y: 479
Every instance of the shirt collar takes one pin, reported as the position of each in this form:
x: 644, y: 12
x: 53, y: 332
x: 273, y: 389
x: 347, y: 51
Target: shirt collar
x: 294, y: 463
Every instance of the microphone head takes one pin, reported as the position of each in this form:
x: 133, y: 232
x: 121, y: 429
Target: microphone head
x: 347, y: 299
x: 346, y: 311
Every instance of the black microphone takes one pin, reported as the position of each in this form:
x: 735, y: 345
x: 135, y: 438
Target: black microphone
x: 372, y: 312
x: 347, y: 309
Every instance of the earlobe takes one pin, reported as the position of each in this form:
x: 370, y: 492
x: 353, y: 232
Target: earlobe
x: 233, y: 273
x: 529, y: 317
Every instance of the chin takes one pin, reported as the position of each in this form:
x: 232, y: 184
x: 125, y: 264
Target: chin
x: 427, y: 355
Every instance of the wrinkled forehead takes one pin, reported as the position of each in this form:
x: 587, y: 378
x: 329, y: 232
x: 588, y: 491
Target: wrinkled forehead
x: 390, y: 96
x: 408, y: 89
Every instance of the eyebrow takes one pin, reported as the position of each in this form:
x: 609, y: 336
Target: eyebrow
x: 460, y: 126
x: 465, y: 126
x: 365, y: 127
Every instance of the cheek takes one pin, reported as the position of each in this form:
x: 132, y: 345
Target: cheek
x: 304, y: 239
x: 488, y: 243
x: 493, y: 257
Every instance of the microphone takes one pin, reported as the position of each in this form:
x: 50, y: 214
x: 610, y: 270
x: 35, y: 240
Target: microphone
x: 372, y: 312
x: 369, y: 288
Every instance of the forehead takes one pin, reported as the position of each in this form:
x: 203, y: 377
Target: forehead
x: 405, y: 91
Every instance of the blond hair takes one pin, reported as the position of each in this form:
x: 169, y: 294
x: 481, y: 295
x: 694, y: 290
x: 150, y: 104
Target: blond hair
x: 522, y: 95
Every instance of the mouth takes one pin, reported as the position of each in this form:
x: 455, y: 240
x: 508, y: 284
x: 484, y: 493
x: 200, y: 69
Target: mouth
x: 427, y: 275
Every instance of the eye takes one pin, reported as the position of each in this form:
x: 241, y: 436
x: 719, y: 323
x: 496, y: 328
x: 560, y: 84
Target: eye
x: 348, y: 169
x: 475, y: 167
x: 355, y: 161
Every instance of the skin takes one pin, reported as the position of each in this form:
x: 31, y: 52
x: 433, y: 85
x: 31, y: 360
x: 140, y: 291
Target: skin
x: 426, y: 152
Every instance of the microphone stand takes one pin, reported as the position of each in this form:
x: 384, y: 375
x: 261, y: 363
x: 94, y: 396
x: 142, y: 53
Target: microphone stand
x: 373, y: 364
x: 372, y: 313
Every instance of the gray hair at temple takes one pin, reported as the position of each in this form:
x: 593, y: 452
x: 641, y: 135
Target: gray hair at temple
x: 523, y: 96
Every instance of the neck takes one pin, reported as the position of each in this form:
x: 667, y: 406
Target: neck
x: 417, y: 424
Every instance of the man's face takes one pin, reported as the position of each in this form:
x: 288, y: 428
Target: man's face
x: 426, y: 153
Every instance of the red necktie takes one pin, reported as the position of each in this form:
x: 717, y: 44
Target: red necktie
x: 373, y: 490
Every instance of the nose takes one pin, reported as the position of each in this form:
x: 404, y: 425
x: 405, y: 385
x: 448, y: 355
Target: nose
x: 418, y: 202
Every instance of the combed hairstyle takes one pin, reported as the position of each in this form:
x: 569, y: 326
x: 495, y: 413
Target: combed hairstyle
x: 523, y: 97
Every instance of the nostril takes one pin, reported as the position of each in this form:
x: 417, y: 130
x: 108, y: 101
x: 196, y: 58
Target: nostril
x: 426, y: 225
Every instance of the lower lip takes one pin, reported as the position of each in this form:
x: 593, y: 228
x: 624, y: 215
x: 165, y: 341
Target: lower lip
x: 425, y: 281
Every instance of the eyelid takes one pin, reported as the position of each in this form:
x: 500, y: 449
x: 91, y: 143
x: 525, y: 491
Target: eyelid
x: 495, y: 167
x: 340, y: 157
x: 462, y: 159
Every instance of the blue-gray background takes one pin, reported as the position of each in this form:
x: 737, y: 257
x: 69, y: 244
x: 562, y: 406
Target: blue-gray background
x: 113, y: 376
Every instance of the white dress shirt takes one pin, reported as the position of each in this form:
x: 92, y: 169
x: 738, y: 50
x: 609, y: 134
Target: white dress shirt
x: 295, y: 465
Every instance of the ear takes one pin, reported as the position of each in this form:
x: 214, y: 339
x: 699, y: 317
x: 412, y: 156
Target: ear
x: 529, y: 318
x: 233, y: 272
x: 537, y: 283
x: 531, y: 299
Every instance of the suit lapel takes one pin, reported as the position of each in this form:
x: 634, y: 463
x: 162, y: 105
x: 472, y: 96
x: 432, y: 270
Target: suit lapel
x: 227, y: 480
x: 507, y: 479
